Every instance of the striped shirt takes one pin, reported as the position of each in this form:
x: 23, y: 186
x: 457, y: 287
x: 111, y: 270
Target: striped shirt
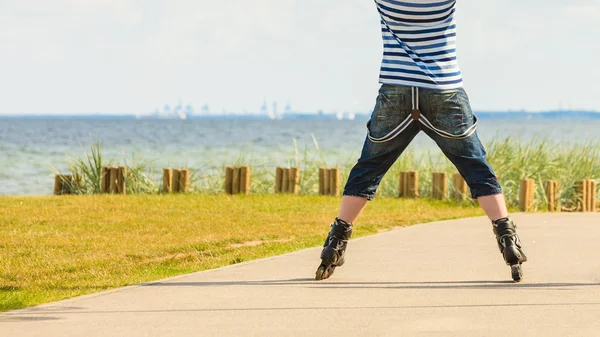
x: 419, y: 43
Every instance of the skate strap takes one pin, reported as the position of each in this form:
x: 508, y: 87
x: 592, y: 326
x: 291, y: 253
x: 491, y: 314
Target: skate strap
x: 416, y: 115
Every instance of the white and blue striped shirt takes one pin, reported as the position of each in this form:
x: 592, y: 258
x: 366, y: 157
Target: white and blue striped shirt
x: 419, y: 43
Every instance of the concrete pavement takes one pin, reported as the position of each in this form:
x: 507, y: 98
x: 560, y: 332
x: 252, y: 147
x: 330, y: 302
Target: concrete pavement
x: 439, y: 279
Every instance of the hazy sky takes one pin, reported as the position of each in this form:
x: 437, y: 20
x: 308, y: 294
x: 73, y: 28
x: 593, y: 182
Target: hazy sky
x: 132, y: 56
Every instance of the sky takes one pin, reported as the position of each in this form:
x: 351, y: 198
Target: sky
x: 133, y: 56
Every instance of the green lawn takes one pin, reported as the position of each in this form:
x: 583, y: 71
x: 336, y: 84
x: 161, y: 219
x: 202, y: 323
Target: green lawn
x: 53, y: 248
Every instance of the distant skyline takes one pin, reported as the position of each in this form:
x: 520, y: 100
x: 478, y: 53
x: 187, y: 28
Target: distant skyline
x: 134, y: 56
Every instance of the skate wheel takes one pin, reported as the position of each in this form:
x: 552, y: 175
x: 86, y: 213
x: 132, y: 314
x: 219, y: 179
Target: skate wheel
x: 323, y: 272
x: 517, y: 272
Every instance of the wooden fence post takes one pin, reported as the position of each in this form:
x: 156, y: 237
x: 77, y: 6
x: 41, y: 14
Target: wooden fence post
x: 229, y: 179
x: 459, y: 187
x: 278, y: 179
x: 586, y: 195
x: 552, y: 188
x: 402, y: 184
x: 294, y: 180
x: 114, y: 174
x: 581, y: 187
x: 592, y: 190
x: 63, y: 184
x: 326, y: 181
x: 527, y: 195
x: 408, y: 184
x: 68, y: 182
x: 285, y: 180
x: 122, y: 180
x: 245, y: 179
x: 184, y: 181
x: 236, y: 181
x: 58, y: 184
x: 334, y: 181
x: 175, y: 181
x: 439, y: 189
x: 105, y: 180
x: 167, y: 180
x: 413, y: 184
x: 322, y: 173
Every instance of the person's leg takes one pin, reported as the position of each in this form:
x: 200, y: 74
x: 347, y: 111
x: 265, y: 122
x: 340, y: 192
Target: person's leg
x: 380, y: 152
x: 382, y: 147
x: 449, y: 113
x: 351, y: 207
x: 494, y: 206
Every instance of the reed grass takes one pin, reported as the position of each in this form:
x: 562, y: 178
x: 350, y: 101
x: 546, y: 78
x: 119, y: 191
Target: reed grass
x: 512, y: 159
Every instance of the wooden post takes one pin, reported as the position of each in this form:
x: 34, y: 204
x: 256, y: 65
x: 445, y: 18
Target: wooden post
x: 58, y: 184
x: 439, y: 186
x: 184, y: 181
x: 278, y: 179
x: 67, y: 184
x: 245, y: 179
x: 459, y: 187
x: 592, y: 195
x: 167, y: 180
x: 229, y: 179
x: 122, y: 180
x: 586, y: 195
x: 114, y: 174
x: 581, y: 187
x: 552, y: 187
x: 294, y: 180
x: 412, y: 184
x: 64, y: 184
x: 443, y: 186
x: 175, y: 181
x: 105, y: 180
x: 285, y: 180
x: 77, y: 182
x: 322, y: 174
x: 334, y: 181
x: 326, y: 183
x: 402, y: 184
x: 235, y: 189
x: 434, y: 182
x: 527, y: 195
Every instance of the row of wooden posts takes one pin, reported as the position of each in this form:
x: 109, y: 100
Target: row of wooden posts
x: 585, y: 191
x: 287, y: 180
x: 113, y: 180
x: 176, y: 180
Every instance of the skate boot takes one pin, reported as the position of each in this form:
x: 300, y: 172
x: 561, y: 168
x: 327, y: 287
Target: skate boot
x: 510, y: 246
x: 334, y: 249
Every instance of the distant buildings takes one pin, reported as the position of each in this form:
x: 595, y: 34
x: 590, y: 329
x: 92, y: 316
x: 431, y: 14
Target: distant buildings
x: 177, y: 112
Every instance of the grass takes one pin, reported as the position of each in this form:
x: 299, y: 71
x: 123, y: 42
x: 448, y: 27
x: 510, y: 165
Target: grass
x: 540, y: 159
x: 52, y: 248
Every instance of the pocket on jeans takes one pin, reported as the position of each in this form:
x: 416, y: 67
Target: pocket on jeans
x: 451, y: 112
x: 390, y: 111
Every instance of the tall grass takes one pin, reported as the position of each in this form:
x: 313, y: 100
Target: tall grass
x: 87, y: 170
x: 512, y: 159
x: 542, y: 160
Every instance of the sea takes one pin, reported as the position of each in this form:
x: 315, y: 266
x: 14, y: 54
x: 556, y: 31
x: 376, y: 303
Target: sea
x: 32, y: 149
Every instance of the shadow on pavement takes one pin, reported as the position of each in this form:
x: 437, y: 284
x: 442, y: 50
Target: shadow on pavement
x: 345, y: 308
x: 378, y: 285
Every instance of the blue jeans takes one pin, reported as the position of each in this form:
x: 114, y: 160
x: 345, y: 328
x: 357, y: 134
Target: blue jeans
x: 447, y: 113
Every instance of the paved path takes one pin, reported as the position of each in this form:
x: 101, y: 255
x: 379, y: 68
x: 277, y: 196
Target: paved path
x: 440, y: 279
